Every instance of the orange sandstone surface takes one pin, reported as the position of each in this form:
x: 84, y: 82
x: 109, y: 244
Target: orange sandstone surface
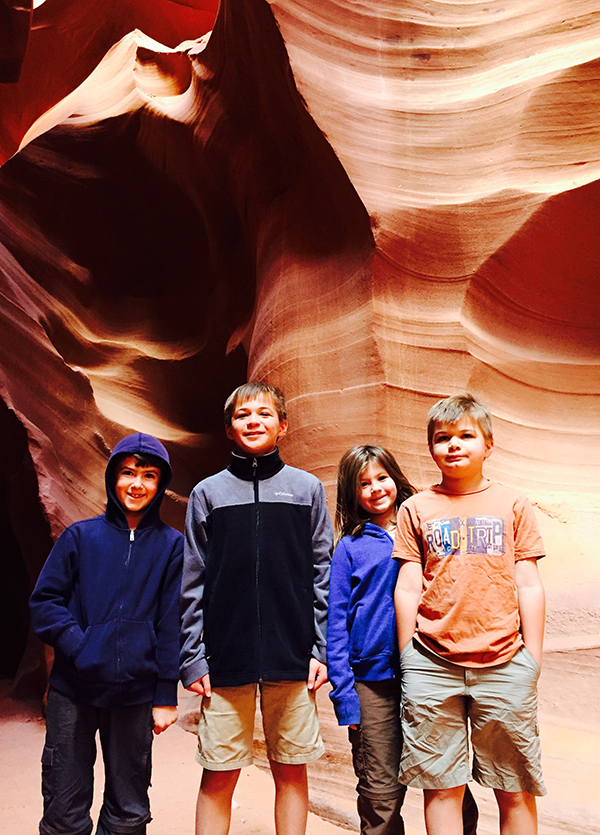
x: 370, y: 204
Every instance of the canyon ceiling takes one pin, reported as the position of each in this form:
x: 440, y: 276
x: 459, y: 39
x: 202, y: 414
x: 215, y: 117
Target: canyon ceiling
x: 369, y: 203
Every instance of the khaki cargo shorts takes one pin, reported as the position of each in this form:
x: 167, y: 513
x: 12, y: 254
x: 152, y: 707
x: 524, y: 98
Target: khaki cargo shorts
x: 290, y: 723
x: 441, y: 702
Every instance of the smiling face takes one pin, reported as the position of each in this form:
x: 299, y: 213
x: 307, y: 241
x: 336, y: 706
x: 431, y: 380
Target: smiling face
x: 459, y: 450
x: 136, y: 486
x: 377, y: 493
x: 256, y: 426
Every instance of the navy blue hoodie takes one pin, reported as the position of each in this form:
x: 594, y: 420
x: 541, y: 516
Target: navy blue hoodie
x: 107, y: 599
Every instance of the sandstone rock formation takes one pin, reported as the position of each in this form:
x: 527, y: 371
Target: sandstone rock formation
x: 370, y: 204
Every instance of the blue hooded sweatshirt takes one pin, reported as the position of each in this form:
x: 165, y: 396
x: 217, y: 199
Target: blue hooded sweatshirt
x: 361, y: 637
x: 107, y: 599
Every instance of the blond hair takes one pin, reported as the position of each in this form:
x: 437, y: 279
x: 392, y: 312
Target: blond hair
x: 452, y: 409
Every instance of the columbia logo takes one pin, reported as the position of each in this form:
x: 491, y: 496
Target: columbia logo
x: 290, y: 495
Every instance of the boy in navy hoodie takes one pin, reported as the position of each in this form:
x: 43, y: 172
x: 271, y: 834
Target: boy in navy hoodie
x: 107, y: 601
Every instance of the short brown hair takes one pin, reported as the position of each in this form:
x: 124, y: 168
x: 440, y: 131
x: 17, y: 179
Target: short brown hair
x: 350, y: 518
x: 249, y: 390
x: 452, y: 409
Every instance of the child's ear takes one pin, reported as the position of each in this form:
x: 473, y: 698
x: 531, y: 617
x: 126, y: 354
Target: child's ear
x: 489, y: 446
x: 229, y: 432
x: 283, y: 428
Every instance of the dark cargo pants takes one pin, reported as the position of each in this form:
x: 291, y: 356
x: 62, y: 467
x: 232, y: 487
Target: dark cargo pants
x: 68, y: 767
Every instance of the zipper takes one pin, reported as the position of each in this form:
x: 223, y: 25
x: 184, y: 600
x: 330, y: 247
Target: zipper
x: 121, y: 603
x: 257, y: 555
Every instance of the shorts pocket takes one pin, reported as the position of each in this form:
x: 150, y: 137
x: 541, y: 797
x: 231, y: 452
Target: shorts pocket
x: 528, y: 657
x: 407, y: 649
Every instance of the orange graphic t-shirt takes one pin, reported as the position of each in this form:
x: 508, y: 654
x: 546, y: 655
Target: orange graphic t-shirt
x: 467, y: 545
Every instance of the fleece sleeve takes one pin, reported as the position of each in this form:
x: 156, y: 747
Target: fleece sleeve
x: 51, y: 618
x: 344, y: 697
x: 322, y: 545
x: 192, y: 658
x: 167, y: 629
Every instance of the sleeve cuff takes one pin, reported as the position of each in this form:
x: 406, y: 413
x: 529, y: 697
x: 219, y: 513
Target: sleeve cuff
x: 165, y: 693
x: 190, y: 674
x: 347, y: 713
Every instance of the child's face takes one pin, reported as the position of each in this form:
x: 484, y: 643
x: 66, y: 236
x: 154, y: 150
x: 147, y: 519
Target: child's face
x: 459, y: 449
x: 136, y: 486
x: 256, y: 426
x: 377, y: 494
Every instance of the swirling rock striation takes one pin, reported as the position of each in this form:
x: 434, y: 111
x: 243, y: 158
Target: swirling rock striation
x: 370, y: 204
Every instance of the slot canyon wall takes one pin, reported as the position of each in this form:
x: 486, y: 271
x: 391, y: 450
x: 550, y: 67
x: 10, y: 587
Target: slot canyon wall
x: 371, y: 204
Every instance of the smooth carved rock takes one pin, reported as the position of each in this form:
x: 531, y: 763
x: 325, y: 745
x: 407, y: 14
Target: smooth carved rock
x: 391, y: 203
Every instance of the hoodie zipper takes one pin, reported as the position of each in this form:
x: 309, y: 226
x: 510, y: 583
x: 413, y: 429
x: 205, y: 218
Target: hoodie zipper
x: 257, y: 555
x: 121, y: 604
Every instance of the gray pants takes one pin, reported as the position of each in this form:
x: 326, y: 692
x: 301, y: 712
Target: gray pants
x: 376, y: 749
x: 68, y: 767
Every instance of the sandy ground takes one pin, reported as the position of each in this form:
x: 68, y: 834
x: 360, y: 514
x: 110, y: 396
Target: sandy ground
x: 571, y: 767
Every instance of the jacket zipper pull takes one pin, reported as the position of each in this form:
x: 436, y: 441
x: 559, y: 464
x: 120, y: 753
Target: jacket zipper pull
x: 131, y: 535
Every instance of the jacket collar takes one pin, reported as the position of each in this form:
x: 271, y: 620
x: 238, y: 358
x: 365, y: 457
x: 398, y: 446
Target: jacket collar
x: 264, y: 466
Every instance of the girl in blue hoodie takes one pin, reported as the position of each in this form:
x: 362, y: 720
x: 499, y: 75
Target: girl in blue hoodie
x: 362, y: 648
x: 362, y: 645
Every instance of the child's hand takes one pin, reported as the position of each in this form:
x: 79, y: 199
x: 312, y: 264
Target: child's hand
x: 317, y: 674
x: 163, y: 717
x: 202, y: 686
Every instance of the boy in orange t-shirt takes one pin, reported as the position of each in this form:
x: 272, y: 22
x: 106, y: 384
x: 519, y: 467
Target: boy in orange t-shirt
x: 470, y: 613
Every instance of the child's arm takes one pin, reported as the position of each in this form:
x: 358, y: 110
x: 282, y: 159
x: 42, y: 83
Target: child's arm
x: 317, y: 674
x: 407, y: 596
x: 322, y: 546
x: 193, y: 667
x: 163, y: 717
x: 50, y: 617
x: 201, y: 687
x: 166, y: 629
x: 344, y: 697
x: 532, y: 606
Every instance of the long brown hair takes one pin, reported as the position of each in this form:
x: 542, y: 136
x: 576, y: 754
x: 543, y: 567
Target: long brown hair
x: 350, y: 518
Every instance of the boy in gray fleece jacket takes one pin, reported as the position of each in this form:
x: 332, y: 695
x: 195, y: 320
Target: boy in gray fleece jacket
x: 254, y: 608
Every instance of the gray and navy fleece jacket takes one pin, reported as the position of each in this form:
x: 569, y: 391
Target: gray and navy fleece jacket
x: 258, y: 544
x: 107, y: 600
